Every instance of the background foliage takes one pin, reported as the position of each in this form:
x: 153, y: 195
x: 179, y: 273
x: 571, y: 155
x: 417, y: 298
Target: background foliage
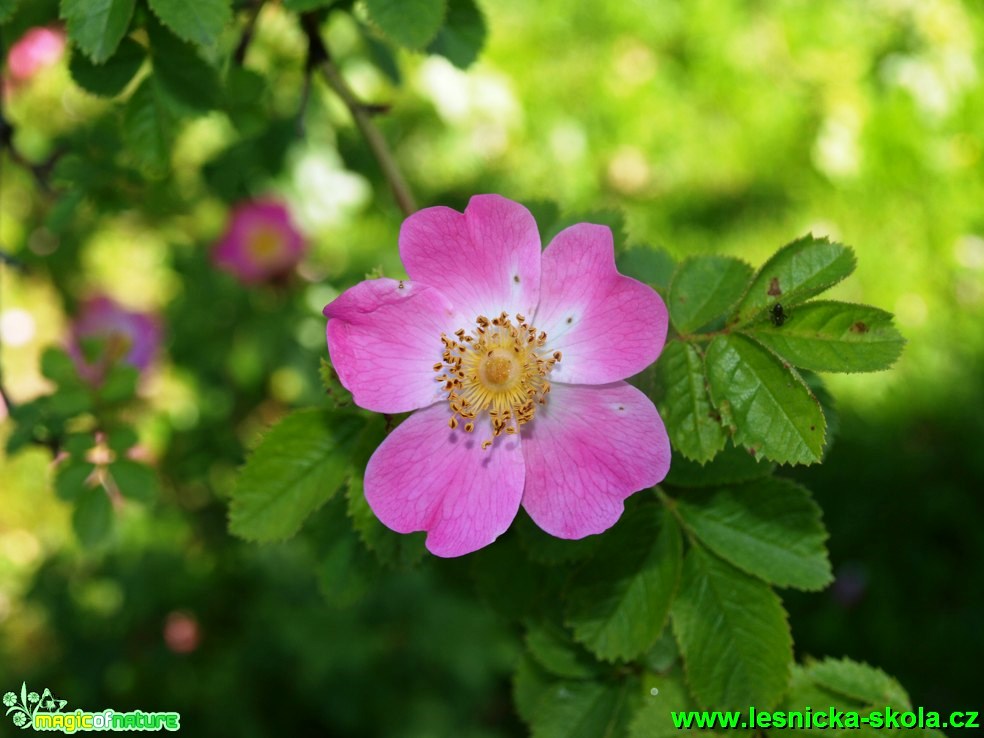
x: 721, y: 130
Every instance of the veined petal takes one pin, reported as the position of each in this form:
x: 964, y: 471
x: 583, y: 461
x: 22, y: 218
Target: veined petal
x: 484, y: 260
x: 588, y: 449
x: 608, y: 326
x: 425, y: 476
x: 384, y: 338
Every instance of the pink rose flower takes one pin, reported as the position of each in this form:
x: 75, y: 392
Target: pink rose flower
x: 39, y: 48
x: 260, y: 244
x: 123, y: 335
x: 513, y: 362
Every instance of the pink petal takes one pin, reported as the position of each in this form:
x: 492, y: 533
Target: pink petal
x: 486, y: 260
x: 587, y: 450
x: 607, y: 326
x: 425, y: 476
x: 384, y: 338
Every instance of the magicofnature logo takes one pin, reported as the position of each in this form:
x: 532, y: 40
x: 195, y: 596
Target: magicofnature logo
x: 44, y: 712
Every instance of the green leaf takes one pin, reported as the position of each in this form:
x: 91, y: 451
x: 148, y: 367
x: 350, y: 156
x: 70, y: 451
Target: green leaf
x: 70, y: 401
x: 97, y: 26
x: 346, y: 571
x: 733, y: 635
x: 410, y: 23
x: 393, y: 549
x: 7, y: 8
x: 110, y: 78
x: 120, y: 384
x: 244, y: 100
x: 705, y: 288
x: 618, y: 602
x: 77, y: 444
x: 797, y: 272
x: 92, y: 518
x: 135, y: 481
x: 653, y: 266
x: 553, y: 649
x: 462, y: 36
x: 197, y: 21
x: 804, y: 692
x: 150, y: 124
x: 298, y: 466
x: 664, y: 653
x: 830, y: 336
x: 733, y: 465
x: 71, y: 478
x: 121, y: 439
x: 694, y: 426
x: 580, y: 710
x: 858, y: 681
x: 181, y: 71
x: 58, y: 366
x: 770, y: 408
x: 663, y: 694
x: 529, y: 685
x: 770, y: 528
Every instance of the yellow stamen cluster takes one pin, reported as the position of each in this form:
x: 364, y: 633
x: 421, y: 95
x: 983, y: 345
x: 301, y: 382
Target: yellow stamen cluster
x: 500, y: 368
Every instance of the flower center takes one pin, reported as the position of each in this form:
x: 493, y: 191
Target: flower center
x: 265, y: 245
x: 500, y: 368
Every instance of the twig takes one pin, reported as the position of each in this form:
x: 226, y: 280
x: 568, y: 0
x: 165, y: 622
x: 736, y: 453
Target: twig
x: 240, y: 54
x: 318, y: 57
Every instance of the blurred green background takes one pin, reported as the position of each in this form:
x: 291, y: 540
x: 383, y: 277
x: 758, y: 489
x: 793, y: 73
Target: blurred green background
x: 727, y: 126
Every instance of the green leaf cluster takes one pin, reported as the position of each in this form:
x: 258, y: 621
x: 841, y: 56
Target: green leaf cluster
x: 734, y: 368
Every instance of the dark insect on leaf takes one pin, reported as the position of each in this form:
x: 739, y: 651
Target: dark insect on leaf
x: 778, y: 315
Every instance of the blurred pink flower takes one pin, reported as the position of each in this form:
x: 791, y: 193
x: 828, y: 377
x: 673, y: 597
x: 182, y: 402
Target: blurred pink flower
x: 121, y: 335
x: 182, y: 634
x: 260, y: 243
x: 37, y: 49
x: 518, y: 415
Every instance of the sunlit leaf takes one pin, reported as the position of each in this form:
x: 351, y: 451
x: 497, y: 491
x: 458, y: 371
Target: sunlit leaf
x: 795, y: 273
x: 692, y: 422
x: 833, y: 337
x: 770, y: 408
x: 704, y: 288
